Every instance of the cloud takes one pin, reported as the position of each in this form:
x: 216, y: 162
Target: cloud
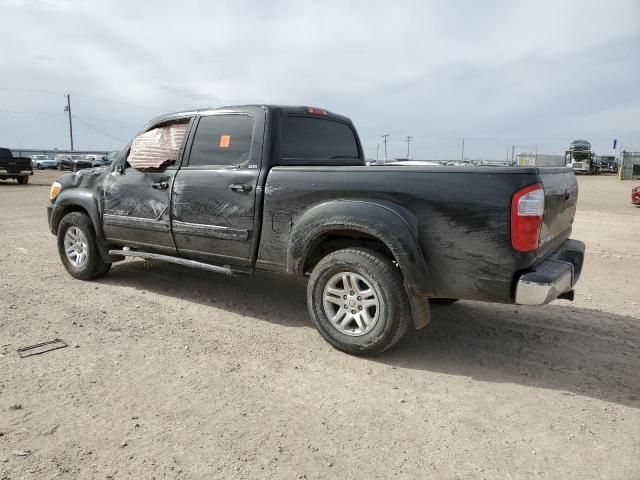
x: 498, y: 73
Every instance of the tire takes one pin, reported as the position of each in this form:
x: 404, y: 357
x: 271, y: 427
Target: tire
x: 443, y: 301
x: 383, y: 283
x: 93, y: 266
x: 60, y: 166
x: 39, y: 167
x: 22, y: 180
x: 74, y: 168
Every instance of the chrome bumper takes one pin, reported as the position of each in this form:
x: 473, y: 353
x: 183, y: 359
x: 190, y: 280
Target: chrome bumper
x: 14, y: 173
x: 553, y: 277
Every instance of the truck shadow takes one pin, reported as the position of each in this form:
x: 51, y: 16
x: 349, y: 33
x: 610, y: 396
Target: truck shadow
x: 581, y: 351
x: 561, y: 347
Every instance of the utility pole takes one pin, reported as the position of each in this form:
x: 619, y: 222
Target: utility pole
x: 462, y: 158
x: 377, y: 151
x: 408, y: 138
x: 513, y: 152
x: 68, y: 110
x: 385, y: 139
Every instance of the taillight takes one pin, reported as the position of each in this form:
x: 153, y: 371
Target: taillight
x: 527, y: 209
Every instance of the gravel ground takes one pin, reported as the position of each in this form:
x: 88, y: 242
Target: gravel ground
x: 177, y: 373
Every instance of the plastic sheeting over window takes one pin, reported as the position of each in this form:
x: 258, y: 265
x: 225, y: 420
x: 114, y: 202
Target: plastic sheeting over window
x: 158, y: 148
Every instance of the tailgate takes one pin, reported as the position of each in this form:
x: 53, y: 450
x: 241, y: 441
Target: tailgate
x: 15, y: 164
x: 560, y: 200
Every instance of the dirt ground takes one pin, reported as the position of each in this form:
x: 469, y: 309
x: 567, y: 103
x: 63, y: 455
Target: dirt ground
x: 178, y: 373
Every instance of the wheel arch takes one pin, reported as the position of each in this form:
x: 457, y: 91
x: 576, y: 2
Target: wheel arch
x: 392, y: 227
x: 76, y: 200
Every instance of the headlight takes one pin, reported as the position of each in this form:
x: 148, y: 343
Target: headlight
x: 55, y: 190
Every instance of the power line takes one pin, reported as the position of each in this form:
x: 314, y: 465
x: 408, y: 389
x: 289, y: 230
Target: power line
x: 105, y: 99
x: 52, y: 92
x: 111, y: 120
x: 29, y: 113
x: 29, y: 90
x: 98, y: 130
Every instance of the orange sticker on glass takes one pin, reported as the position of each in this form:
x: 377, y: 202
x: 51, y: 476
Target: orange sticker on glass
x: 225, y: 141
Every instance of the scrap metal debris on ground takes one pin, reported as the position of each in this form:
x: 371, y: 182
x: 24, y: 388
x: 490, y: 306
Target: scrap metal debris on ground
x: 40, y: 348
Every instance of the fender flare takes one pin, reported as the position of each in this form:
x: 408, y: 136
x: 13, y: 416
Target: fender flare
x: 392, y: 224
x: 85, y: 200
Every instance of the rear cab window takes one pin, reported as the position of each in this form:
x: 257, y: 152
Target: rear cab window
x: 318, y: 141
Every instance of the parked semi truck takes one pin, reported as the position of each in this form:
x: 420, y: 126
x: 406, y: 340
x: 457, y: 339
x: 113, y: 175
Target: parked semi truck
x: 581, y: 158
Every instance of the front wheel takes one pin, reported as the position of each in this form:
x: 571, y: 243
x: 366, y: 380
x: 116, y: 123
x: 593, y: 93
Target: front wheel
x: 60, y: 166
x: 78, y: 248
x: 357, y: 301
x: 22, y: 180
x: 74, y: 168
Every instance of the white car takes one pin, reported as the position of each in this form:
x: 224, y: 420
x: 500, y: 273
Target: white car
x: 42, y: 161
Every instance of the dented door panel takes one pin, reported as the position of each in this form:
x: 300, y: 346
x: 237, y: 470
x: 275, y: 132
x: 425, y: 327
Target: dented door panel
x: 214, y: 216
x: 211, y: 221
x: 136, y: 213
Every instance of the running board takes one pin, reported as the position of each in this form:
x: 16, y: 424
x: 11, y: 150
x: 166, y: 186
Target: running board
x: 180, y: 261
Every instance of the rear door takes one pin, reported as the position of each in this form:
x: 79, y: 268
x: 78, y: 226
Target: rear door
x: 214, y: 207
x: 137, y: 193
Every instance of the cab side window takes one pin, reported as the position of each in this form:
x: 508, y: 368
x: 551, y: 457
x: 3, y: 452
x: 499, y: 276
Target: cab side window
x: 222, y: 140
x: 159, y: 147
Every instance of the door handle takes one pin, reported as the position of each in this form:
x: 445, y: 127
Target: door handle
x: 160, y: 185
x: 240, y: 187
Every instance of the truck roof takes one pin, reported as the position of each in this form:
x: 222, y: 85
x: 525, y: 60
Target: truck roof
x: 286, y: 109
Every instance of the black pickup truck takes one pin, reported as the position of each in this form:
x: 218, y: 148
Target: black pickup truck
x: 14, y: 167
x: 286, y: 189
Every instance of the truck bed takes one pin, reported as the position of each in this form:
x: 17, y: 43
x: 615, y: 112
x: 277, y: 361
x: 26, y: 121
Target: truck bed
x: 461, y: 214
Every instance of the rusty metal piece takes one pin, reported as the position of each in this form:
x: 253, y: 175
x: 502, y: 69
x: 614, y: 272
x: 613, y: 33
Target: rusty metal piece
x: 40, y: 348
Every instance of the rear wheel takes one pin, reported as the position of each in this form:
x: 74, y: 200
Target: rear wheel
x: 78, y: 247
x: 22, y: 180
x: 357, y: 301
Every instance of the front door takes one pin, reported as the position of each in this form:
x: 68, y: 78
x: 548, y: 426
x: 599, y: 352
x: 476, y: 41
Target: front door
x: 213, y: 206
x: 137, y: 193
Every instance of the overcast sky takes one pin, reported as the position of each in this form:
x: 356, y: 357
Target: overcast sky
x: 534, y: 74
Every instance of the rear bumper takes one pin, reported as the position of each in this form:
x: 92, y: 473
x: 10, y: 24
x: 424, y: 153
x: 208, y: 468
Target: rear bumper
x: 556, y: 275
x: 15, y: 173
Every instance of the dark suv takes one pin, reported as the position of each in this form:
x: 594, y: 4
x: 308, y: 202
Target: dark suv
x: 72, y: 162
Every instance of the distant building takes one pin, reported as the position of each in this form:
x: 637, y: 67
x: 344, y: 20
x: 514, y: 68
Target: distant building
x: 532, y: 159
x: 629, y: 165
